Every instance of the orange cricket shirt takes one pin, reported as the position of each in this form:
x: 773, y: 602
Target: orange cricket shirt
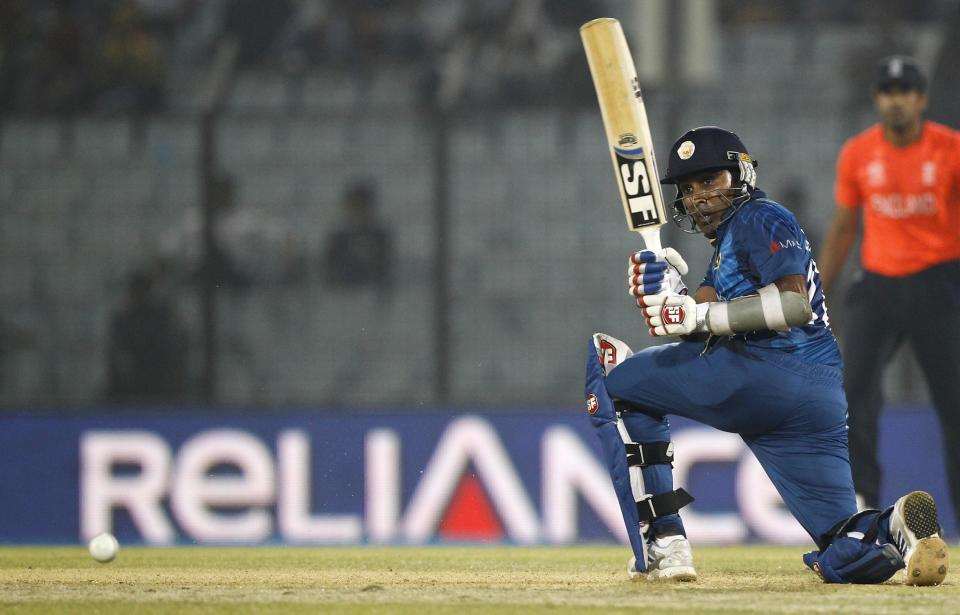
x: 910, y: 198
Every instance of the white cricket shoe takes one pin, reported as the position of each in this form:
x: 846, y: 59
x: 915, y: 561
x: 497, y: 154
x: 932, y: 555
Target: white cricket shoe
x: 915, y: 530
x: 668, y: 557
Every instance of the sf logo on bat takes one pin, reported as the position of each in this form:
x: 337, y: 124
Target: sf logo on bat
x: 636, y: 187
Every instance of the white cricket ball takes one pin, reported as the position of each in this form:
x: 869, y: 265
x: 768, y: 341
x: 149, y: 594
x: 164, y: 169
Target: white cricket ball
x: 104, y: 547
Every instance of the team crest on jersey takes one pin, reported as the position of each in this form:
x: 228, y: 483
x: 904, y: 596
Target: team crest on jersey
x: 686, y: 149
x: 876, y: 173
x: 593, y: 404
x: 672, y: 314
x: 928, y: 173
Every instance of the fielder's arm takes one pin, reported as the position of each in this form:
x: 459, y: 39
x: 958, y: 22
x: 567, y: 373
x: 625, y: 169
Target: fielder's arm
x: 836, y: 246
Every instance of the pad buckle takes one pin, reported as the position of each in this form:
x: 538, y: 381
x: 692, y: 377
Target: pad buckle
x: 649, y: 453
x: 652, y: 507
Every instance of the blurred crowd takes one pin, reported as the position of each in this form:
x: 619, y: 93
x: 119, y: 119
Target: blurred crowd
x: 820, y: 11
x: 493, y: 52
x: 72, y: 56
x: 117, y: 56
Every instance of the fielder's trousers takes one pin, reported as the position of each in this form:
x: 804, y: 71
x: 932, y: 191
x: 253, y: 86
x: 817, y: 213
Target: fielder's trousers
x: 881, y: 313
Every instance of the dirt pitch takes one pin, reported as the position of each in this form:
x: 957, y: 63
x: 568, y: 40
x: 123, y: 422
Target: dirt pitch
x: 751, y: 579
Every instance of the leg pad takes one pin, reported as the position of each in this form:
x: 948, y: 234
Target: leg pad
x: 850, y: 560
x: 853, y: 555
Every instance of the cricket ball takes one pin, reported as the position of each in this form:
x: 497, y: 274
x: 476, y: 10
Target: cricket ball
x: 104, y: 547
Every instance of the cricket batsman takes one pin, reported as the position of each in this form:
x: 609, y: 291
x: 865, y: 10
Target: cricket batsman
x: 754, y: 356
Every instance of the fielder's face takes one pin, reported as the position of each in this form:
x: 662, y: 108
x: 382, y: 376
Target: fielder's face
x: 899, y: 109
x: 706, y: 196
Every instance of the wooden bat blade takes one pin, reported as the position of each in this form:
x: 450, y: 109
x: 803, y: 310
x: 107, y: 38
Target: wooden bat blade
x: 626, y: 126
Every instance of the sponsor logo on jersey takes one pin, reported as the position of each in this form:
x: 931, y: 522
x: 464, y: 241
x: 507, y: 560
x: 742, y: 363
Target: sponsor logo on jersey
x: 895, y: 205
x: 776, y: 246
x: 592, y: 404
x: 928, y: 173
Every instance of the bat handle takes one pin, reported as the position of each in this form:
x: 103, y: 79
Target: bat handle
x: 651, y: 238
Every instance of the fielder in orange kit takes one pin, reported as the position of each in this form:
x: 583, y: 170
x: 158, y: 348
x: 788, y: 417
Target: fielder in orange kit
x: 902, y: 177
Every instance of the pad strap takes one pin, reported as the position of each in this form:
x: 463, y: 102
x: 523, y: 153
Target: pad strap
x: 653, y: 506
x: 850, y: 524
x: 649, y: 453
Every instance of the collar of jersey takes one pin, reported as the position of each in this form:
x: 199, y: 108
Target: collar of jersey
x: 758, y: 195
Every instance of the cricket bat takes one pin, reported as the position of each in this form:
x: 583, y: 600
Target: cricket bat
x: 627, y: 130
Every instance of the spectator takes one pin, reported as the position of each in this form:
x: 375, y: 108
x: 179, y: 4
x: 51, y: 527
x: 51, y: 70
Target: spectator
x: 508, y: 53
x: 358, y: 249
x: 247, y: 247
x: 257, y: 25
x: 147, y: 347
x: 43, y: 58
x: 131, y: 72
x: 57, y: 82
x: 163, y: 17
x: 356, y: 35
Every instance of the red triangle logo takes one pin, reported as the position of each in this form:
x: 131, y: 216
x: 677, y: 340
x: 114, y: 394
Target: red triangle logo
x: 470, y: 515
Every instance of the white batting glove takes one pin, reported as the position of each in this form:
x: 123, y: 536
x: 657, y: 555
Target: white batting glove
x: 671, y: 315
x: 651, y: 273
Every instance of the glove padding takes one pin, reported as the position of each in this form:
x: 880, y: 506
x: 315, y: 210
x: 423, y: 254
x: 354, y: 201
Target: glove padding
x: 650, y: 273
x: 670, y: 314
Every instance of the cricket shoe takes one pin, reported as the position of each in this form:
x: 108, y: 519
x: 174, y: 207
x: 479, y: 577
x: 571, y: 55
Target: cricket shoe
x: 668, y: 557
x: 916, y: 533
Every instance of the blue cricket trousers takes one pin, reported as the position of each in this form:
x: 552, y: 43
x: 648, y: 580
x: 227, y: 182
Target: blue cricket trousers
x: 791, y: 414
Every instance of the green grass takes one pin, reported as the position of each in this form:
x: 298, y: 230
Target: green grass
x: 751, y: 579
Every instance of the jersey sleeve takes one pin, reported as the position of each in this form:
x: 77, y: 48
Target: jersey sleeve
x: 847, y: 190
x: 776, y: 245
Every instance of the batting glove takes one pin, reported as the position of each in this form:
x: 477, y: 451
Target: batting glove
x: 651, y: 273
x: 671, y: 315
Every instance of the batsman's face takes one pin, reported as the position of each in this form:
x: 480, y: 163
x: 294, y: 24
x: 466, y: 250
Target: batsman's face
x: 706, y: 196
x: 899, y: 109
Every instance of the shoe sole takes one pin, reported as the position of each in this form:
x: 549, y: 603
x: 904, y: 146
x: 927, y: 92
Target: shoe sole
x: 929, y: 562
x: 675, y: 573
x: 679, y: 573
x: 930, y: 559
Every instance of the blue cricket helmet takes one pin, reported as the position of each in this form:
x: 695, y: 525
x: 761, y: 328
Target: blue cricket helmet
x: 708, y: 148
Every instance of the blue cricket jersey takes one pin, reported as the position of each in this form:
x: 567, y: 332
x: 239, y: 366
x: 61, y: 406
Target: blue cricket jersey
x: 759, y: 244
